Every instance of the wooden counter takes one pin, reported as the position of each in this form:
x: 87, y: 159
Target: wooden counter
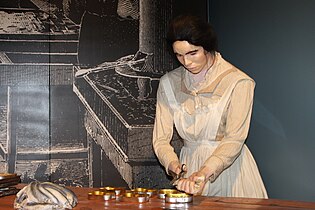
x: 199, y: 203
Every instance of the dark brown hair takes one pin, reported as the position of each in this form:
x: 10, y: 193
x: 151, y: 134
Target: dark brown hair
x: 194, y: 30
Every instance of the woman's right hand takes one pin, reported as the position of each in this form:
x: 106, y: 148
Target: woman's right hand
x: 174, y: 167
x: 194, y: 184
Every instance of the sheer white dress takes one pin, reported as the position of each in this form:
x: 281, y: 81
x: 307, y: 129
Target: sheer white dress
x: 198, y: 127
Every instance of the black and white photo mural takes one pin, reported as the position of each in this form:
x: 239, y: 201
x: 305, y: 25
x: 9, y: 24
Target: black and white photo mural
x: 77, y: 89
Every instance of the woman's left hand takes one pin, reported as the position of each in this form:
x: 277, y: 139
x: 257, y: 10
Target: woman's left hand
x: 193, y: 184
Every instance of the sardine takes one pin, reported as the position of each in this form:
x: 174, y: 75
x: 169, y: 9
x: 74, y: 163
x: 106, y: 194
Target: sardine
x: 46, y: 195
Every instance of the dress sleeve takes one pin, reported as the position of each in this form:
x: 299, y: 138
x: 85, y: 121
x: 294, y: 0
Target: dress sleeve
x: 234, y: 128
x: 163, y: 130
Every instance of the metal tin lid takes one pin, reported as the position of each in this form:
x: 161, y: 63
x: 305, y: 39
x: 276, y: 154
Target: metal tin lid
x: 151, y: 192
x: 136, y: 197
x: 178, y: 197
x: 97, y: 194
x: 163, y: 192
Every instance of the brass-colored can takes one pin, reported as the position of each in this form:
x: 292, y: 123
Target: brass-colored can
x: 131, y: 196
x: 178, y: 197
x: 163, y: 192
x: 95, y: 195
x: 109, y: 196
x: 107, y: 188
x: 128, y: 194
x: 140, y: 190
x: 141, y: 198
x: 151, y: 192
x: 119, y: 190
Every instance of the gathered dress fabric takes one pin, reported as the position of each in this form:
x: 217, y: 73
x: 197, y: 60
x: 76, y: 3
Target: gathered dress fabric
x: 212, y: 118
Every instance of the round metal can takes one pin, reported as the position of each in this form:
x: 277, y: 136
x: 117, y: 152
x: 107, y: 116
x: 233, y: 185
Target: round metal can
x: 119, y: 190
x: 135, y: 197
x: 142, y: 198
x: 151, y: 192
x: 163, y: 192
x: 139, y: 190
x: 95, y: 195
x: 109, y: 196
x: 178, y: 198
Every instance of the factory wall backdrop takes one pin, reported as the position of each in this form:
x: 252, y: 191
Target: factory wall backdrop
x: 77, y: 89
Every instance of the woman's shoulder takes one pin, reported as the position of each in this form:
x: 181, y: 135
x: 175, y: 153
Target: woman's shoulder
x: 240, y: 75
x: 235, y: 72
x: 173, y: 75
x: 235, y: 77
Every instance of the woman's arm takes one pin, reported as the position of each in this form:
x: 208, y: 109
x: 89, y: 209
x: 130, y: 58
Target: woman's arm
x: 163, y: 132
x: 238, y: 116
x: 235, y: 130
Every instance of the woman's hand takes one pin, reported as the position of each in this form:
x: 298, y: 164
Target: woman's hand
x: 174, y: 168
x: 193, y: 184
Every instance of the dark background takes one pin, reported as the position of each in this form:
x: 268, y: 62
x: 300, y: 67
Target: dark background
x: 274, y: 42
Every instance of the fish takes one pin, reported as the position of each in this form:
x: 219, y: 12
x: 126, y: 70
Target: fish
x: 45, y: 195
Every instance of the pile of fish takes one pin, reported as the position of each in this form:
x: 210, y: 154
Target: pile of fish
x: 45, y: 195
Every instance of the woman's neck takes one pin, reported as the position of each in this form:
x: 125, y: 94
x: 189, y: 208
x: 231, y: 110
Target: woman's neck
x: 199, y: 77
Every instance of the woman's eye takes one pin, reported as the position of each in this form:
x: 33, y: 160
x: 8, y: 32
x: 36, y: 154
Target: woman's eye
x: 193, y: 52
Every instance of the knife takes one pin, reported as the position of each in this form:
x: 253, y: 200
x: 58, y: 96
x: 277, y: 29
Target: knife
x: 181, y: 174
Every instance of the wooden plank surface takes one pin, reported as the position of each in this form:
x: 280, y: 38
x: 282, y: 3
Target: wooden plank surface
x: 199, y: 203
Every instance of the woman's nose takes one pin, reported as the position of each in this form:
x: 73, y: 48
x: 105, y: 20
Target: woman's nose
x: 186, y: 61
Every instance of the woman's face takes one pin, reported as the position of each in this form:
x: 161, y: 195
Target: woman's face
x: 193, y: 58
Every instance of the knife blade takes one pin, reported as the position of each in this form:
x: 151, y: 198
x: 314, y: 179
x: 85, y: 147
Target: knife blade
x: 181, y: 174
